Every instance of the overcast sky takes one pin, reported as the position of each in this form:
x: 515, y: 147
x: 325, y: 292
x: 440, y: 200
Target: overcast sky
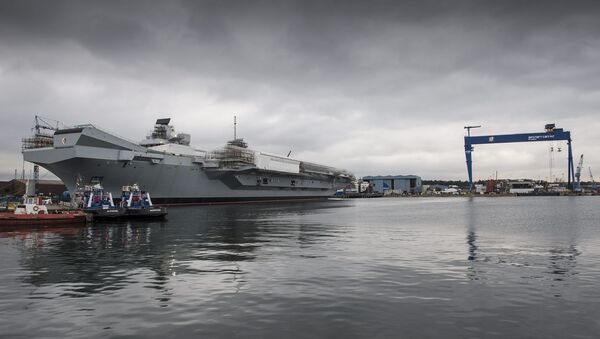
x: 376, y: 87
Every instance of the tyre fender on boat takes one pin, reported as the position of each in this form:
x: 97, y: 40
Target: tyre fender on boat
x: 36, y: 208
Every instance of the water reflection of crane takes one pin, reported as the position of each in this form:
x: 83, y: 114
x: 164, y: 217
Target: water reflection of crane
x: 563, y: 261
x: 557, y: 263
x: 472, y: 273
x: 471, y: 238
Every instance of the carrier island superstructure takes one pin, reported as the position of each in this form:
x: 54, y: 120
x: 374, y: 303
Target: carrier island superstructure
x: 175, y: 172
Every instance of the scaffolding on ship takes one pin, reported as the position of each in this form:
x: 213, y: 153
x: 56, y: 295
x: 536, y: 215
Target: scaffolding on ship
x: 234, y: 155
x: 43, y: 132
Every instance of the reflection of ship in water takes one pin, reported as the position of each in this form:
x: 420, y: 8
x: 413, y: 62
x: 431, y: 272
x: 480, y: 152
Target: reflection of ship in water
x: 93, y: 258
x: 197, y: 240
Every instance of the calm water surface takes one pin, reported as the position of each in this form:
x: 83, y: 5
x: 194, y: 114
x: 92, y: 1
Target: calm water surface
x: 526, y: 267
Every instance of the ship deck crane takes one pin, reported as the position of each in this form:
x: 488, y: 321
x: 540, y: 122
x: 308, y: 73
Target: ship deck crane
x: 551, y: 134
x: 44, y: 124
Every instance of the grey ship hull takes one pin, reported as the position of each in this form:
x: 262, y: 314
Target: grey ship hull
x: 88, y: 154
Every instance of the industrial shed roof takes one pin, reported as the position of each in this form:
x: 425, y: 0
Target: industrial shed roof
x: 391, y: 177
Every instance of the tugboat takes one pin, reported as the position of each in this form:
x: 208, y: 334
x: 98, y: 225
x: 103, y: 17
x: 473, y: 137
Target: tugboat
x: 138, y: 204
x: 32, y: 212
x: 99, y: 204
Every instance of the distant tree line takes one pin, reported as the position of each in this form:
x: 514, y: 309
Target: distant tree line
x: 459, y: 183
x: 464, y: 183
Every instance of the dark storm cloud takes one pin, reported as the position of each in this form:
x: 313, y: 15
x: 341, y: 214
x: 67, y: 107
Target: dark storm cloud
x: 296, y: 43
x: 366, y: 84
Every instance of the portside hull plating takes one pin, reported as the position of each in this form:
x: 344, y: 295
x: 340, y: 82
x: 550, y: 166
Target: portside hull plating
x: 180, y: 184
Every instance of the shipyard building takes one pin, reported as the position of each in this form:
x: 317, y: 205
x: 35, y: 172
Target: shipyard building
x: 16, y: 187
x: 399, y: 184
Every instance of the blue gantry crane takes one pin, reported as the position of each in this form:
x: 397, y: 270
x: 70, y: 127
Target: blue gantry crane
x: 551, y: 134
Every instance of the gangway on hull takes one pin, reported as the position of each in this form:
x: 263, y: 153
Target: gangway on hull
x: 552, y: 134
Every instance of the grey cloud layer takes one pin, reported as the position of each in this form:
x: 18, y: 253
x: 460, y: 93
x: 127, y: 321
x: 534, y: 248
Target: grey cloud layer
x: 370, y: 85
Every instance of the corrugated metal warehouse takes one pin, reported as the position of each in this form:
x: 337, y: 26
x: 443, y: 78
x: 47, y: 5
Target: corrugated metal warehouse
x: 395, y: 183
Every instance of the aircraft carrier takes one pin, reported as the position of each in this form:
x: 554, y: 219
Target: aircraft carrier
x: 174, y: 172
